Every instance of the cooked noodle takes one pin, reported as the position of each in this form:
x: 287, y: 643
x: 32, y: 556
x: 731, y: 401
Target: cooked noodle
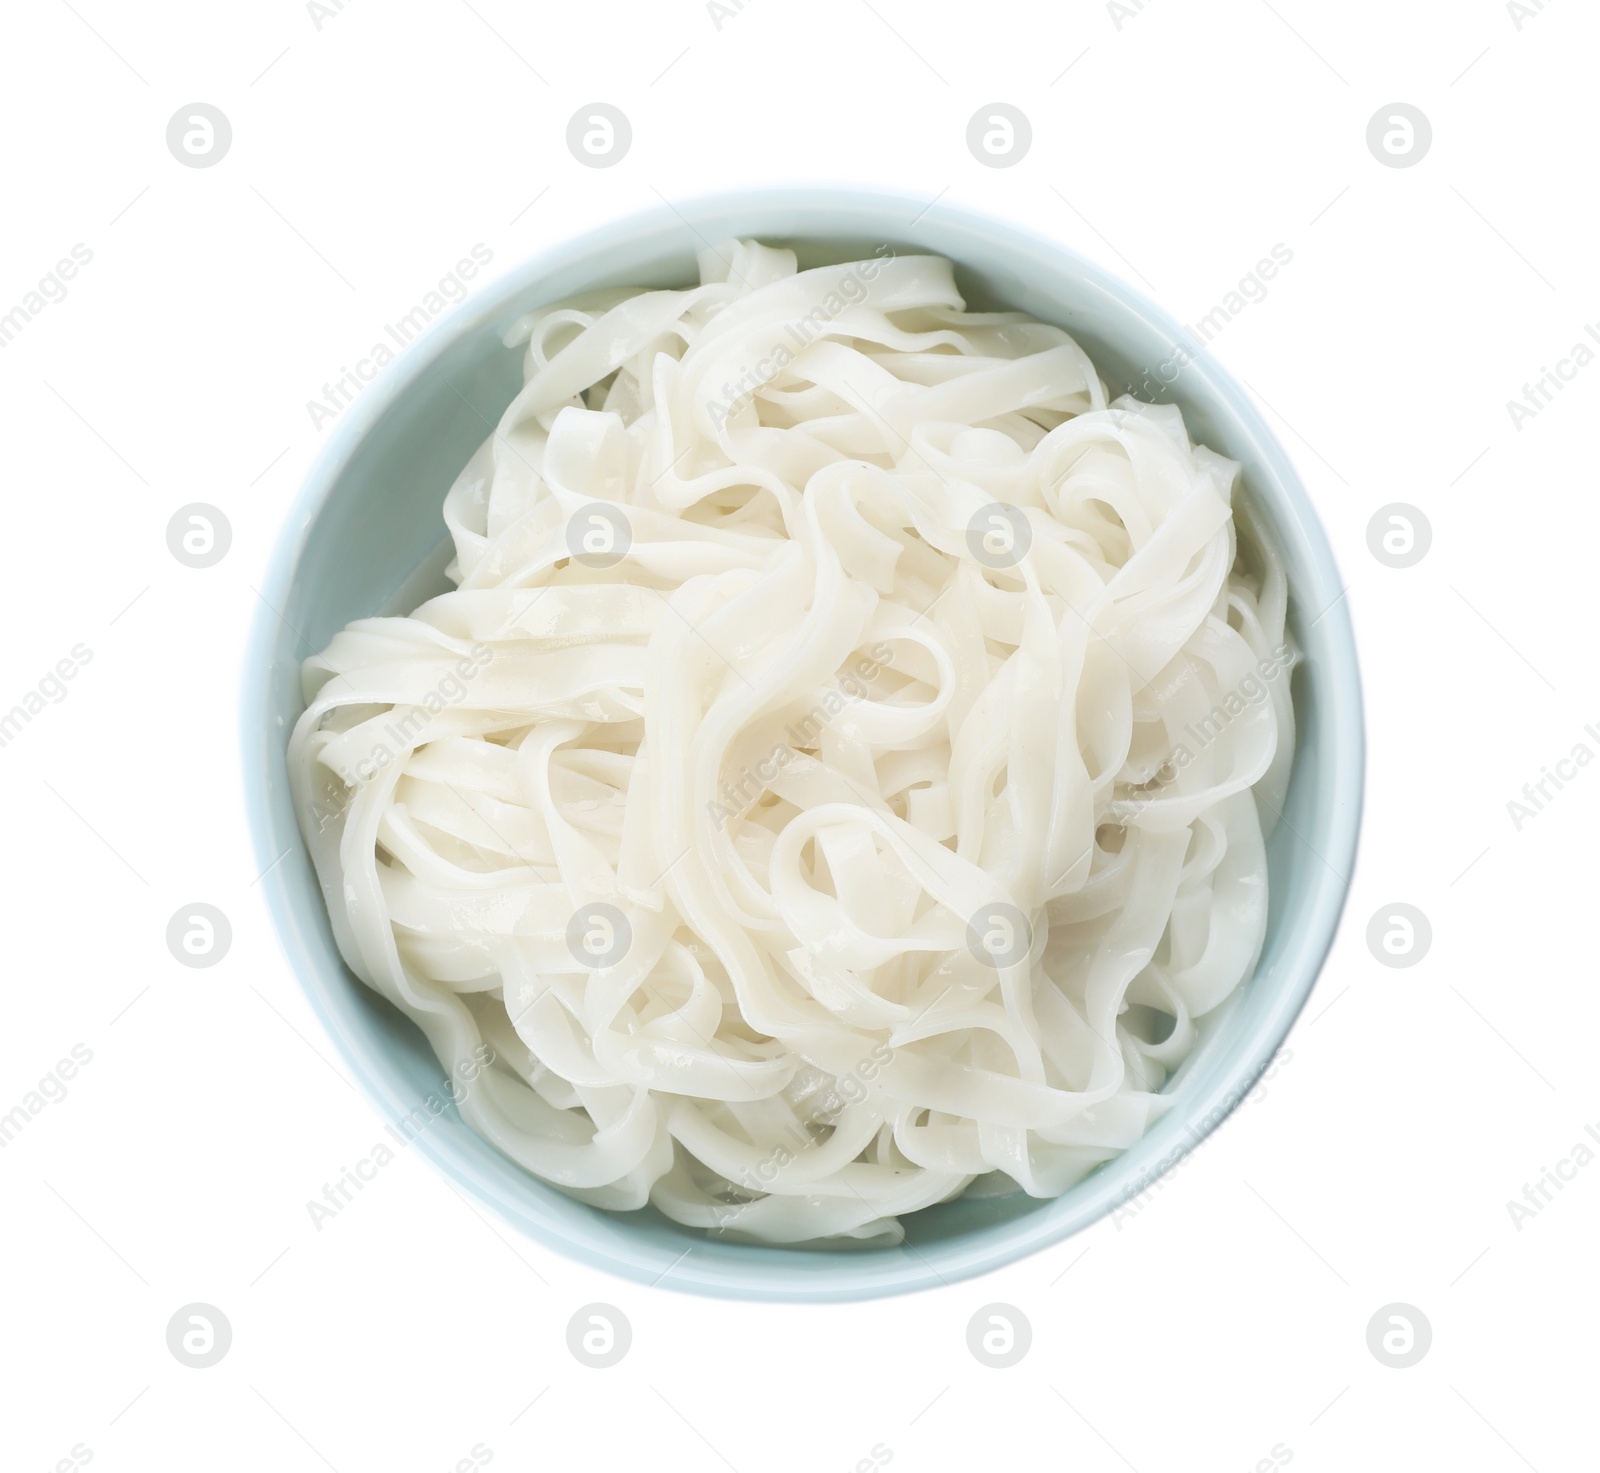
x: 833, y: 781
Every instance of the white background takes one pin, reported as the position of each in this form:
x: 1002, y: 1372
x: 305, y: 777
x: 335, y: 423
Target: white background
x: 1230, y: 1315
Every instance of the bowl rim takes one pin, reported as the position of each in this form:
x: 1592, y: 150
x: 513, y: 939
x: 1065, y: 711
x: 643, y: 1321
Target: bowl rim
x: 837, y: 210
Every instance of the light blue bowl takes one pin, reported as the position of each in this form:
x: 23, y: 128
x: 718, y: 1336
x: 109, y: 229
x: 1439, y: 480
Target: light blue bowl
x: 369, y: 517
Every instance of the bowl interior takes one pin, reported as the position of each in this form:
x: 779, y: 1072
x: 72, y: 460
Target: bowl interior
x: 367, y: 536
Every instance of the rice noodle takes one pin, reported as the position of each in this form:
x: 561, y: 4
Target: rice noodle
x: 838, y: 775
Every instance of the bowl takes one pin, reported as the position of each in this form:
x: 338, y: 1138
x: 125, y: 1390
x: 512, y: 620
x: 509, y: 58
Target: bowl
x: 366, y: 536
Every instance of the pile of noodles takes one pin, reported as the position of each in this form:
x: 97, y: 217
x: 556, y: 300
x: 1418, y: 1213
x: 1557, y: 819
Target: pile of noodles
x: 838, y: 776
